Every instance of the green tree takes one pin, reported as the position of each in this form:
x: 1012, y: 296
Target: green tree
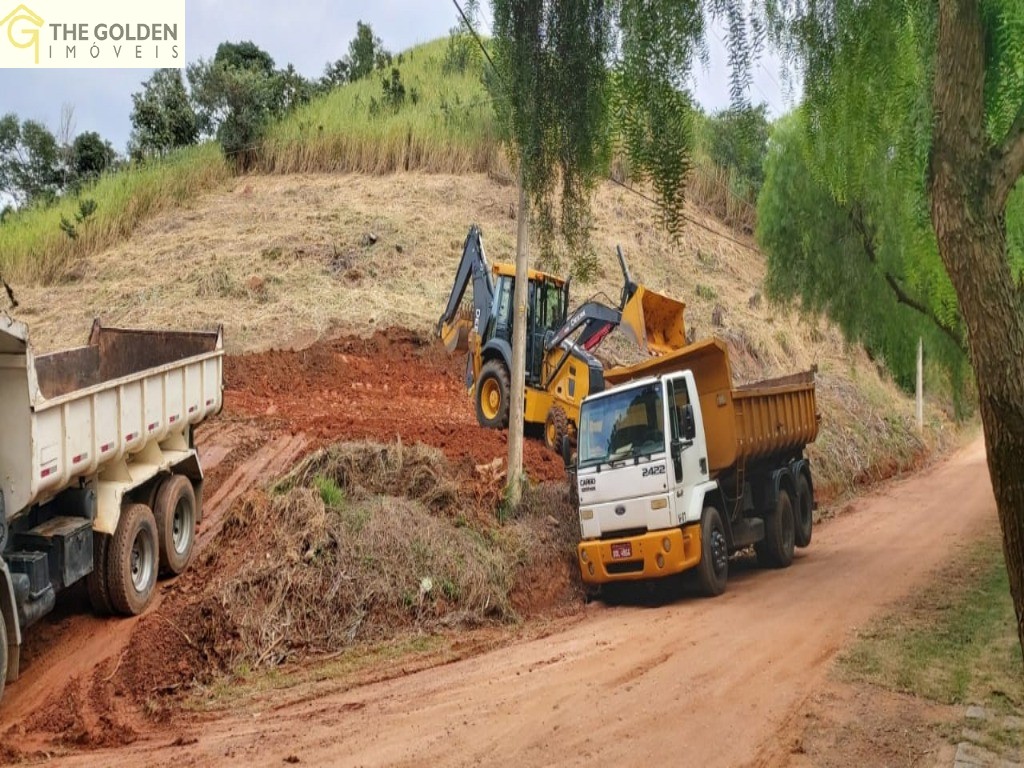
x: 738, y: 140
x: 30, y: 161
x: 90, y: 156
x: 244, y: 55
x: 163, y: 117
x: 366, y: 53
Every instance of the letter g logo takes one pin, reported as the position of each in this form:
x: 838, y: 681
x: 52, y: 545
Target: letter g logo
x: 23, y: 29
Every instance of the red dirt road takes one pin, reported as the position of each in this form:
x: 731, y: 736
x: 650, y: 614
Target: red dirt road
x: 719, y: 682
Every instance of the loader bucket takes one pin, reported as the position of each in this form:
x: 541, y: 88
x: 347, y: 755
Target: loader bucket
x: 654, y: 321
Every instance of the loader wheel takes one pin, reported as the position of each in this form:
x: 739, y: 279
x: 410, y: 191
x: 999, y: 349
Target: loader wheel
x: 175, y: 514
x: 492, y: 393
x: 556, y: 426
x: 775, y: 550
x: 804, y: 512
x: 133, y: 560
x: 96, y: 582
x: 713, y: 569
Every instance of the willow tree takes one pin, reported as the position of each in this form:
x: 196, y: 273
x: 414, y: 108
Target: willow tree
x: 932, y: 91
x: 574, y: 79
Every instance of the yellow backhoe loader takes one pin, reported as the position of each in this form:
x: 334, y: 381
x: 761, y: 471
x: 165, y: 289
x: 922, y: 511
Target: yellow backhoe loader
x: 560, y: 367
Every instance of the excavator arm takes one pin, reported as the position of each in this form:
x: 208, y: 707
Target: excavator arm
x: 453, y: 328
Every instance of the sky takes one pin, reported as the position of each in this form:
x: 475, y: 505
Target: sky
x: 308, y: 34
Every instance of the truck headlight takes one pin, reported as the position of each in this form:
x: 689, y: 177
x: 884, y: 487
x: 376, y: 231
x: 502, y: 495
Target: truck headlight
x: 586, y: 514
x: 659, y: 503
x: 583, y: 555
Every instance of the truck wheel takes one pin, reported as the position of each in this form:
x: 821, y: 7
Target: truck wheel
x: 133, y: 560
x: 804, y: 511
x: 492, y: 393
x: 175, y: 514
x: 96, y: 582
x: 713, y: 569
x: 556, y: 426
x: 776, y: 549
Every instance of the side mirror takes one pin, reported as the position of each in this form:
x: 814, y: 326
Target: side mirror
x: 688, y: 426
x: 566, y: 450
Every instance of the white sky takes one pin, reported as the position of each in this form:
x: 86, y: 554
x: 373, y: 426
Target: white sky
x: 306, y: 33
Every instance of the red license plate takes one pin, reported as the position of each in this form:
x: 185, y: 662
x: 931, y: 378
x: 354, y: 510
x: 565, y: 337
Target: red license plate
x: 622, y: 551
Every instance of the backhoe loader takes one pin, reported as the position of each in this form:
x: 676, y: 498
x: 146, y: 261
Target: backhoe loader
x: 560, y: 367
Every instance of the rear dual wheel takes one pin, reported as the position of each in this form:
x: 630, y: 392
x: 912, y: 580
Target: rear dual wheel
x: 133, y: 561
x: 775, y: 550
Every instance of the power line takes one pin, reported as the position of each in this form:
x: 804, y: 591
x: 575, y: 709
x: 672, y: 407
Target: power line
x: 690, y: 219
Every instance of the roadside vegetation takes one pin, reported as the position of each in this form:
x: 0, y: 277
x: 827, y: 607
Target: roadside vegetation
x: 954, y: 643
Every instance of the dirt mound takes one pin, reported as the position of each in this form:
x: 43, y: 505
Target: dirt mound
x: 395, y: 385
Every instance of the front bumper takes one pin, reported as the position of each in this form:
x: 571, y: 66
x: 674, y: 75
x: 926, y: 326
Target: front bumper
x: 649, y: 557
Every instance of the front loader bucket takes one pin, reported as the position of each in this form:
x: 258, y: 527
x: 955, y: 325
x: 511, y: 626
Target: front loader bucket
x: 654, y: 321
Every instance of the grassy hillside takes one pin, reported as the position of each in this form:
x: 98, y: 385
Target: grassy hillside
x: 445, y: 124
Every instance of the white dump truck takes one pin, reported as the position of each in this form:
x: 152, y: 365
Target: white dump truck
x: 677, y: 468
x: 99, y: 476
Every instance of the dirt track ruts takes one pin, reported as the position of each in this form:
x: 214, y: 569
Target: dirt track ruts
x: 718, y: 682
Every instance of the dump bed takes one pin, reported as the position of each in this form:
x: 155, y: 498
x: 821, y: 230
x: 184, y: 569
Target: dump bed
x: 742, y: 423
x: 72, y: 414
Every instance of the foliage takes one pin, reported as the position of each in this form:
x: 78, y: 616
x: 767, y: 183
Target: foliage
x: 163, y: 117
x: 828, y: 254
x: 366, y: 53
x: 463, y: 52
x: 86, y: 208
x: 737, y: 139
x: 30, y: 161
x: 90, y: 157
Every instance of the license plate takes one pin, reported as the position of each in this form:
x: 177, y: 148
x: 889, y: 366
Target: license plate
x: 622, y: 551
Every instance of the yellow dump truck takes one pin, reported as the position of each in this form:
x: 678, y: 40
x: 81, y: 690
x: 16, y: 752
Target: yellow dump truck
x: 677, y: 468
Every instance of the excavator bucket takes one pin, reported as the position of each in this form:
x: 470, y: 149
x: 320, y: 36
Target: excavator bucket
x: 455, y: 335
x: 654, y: 321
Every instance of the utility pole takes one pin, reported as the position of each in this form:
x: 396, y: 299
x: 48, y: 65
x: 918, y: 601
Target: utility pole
x: 920, y: 385
x: 519, y: 298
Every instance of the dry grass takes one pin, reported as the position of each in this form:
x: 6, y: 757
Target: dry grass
x: 282, y: 261
x: 362, y: 542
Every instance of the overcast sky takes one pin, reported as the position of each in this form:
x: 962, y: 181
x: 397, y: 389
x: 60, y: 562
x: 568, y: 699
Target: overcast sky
x: 306, y: 33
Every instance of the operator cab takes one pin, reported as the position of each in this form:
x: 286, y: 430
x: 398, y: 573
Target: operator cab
x: 546, y: 308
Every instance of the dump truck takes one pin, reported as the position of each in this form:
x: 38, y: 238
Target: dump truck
x: 561, y: 368
x: 676, y: 469
x: 99, y: 476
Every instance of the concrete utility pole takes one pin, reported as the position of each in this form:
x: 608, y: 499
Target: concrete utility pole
x: 920, y: 385
x: 519, y: 299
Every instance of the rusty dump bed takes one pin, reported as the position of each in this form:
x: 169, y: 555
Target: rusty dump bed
x: 114, y: 353
x: 742, y: 423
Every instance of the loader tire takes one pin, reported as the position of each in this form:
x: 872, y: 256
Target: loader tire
x: 492, y: 395
x: 804, y: 512
x: 175, y: 514
x: 713, y: 569
x: 96, y: 582
x: 556, y: 426
x: 775, y: 550
x: 133, y: 560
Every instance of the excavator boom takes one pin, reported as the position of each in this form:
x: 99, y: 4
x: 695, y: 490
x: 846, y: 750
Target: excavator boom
x: 454, y: 327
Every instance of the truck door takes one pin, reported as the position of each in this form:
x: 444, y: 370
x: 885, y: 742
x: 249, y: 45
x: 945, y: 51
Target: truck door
x: 687, y: 450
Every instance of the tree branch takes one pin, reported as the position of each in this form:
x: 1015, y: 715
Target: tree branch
x: 1009, y: 165
x: 867, y: 237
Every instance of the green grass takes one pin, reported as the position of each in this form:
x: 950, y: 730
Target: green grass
x: 955, y: 642
x: 449, y: 129
x: 34, y: 248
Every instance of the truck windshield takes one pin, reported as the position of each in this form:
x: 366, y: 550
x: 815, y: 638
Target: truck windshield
x: 624, y: 425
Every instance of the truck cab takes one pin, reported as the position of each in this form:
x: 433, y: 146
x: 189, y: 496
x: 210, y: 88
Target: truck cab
x: 642, y: 473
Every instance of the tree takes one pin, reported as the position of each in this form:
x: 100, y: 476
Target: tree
x: 90, y: 156
x: 163, y: 117
x: 936, y: 101
x: 366, y: 53
x: 244, y: 55
x: 30, y: 161
x: 738, y: 140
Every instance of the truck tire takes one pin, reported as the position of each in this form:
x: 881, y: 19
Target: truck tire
x: 775, y: 550
x: 804, y: 511
x: 492, y: 395
x: 713, y: 569
x: 96, y: 582
x: 556, y: 426
x: 133, y: 560
x: 175, y: 512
